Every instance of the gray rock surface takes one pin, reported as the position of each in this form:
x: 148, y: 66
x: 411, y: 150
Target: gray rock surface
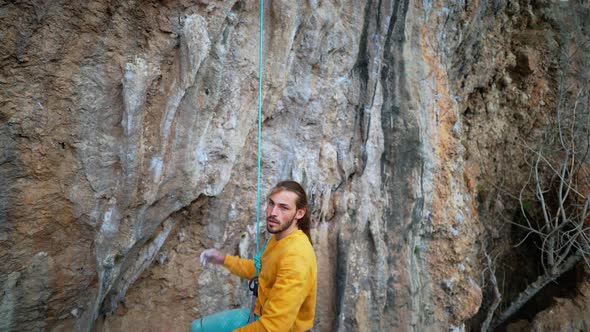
x: 128, y: 134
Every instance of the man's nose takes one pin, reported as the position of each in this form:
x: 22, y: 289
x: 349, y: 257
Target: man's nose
x: 272, y: 211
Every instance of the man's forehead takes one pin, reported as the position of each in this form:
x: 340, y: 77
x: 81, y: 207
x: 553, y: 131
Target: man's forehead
x: 284, y: 197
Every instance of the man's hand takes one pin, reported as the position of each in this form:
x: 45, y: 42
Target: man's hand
x: 212, y: 256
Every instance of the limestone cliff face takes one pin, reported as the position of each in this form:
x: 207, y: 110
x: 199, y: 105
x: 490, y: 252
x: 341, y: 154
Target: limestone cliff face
x: 128, y: 134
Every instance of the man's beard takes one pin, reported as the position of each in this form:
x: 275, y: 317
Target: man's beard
x: 282, y: 228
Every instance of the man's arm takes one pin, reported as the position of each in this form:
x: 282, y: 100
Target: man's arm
x: 241, y: 267
x: 285, y: 298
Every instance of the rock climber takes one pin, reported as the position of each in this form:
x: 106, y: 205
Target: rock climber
x: 288, y: 274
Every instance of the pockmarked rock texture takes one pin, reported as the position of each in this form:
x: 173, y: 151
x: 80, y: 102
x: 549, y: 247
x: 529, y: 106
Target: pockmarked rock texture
x: 128, y: 135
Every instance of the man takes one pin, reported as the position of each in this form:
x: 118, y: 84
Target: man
x: 288, y: 275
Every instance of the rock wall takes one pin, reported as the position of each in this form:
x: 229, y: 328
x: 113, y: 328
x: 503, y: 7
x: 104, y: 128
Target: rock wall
x: 129, y: 144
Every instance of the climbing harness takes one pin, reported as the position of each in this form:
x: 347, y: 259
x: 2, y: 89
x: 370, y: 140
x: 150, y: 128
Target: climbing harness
x: 253, y: 284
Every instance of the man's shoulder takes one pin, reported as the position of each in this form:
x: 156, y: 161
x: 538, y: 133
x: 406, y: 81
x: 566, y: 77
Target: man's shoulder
x: 299, y: 245
x: 299, y: 238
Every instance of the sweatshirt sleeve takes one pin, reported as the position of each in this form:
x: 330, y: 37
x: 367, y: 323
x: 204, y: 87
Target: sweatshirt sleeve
x: 241, y: 267
x: 285, y: 298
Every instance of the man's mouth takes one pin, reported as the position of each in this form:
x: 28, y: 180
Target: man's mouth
x: 272, y: 221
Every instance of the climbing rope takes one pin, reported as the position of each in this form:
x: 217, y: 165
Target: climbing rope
x: 258, y: 249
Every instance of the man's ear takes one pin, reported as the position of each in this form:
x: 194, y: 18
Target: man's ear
x: 300, y: 213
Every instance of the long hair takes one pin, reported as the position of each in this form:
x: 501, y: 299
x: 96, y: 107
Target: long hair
x: 304, y: 223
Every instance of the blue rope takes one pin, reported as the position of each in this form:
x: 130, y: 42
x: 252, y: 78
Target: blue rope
x: 258, y: 258
x: 258, y: 249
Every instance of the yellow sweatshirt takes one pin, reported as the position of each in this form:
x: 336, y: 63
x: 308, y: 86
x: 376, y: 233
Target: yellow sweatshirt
x: 287, y: 284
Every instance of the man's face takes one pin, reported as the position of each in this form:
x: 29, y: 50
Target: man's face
x: 282, y: 213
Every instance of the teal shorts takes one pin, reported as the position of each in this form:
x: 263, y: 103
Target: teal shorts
x: 225, y: 321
